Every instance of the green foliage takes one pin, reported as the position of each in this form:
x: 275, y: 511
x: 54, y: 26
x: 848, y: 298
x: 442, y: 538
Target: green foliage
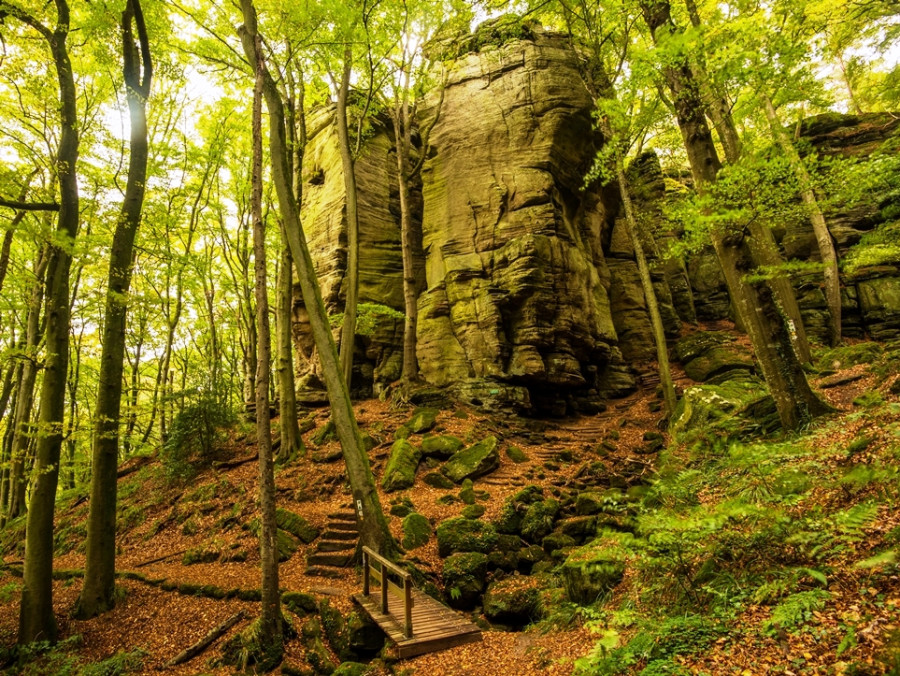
x: 368, y: 317
x: 117, y: 665
x: 795, y: 611
x: 194, y: 435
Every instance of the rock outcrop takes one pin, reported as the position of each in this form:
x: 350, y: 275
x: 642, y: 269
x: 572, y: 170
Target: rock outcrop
x: 517, y: 304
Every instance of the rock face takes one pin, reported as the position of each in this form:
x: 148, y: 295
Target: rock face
x: 378, y: 358
x: 516, y: 305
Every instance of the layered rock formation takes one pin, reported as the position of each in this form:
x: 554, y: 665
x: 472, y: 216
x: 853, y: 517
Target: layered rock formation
x: 517, y: 304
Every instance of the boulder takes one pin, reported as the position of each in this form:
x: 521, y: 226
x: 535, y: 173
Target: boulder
x: 401, y: 466
x: 879, y: 303
x: 465, y: 577
x: 441, y: 446
x: 465, y: 535
x: 512, y: 601
x: 474, y: 461
x: 437, y: 480
x: 416, y: 531
x: 538, y: 520
x: 296, y: 525
x: 592, y: 570
x: 742, y: 404
x: 423, y: 419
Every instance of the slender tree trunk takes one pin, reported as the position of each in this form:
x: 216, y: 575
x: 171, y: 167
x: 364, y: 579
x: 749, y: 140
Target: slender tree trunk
x: 22, y: 417
x: 659, y: 334
x: 6, y: 452
x: 97, y: 595
x: 373, y: 527
x: 816, y: 217
x: 403, y: 140
x: 780, y: 366
x: 291, y: 441
x: 348, y: 328
x: 36, y: 619
x: 270, y: 621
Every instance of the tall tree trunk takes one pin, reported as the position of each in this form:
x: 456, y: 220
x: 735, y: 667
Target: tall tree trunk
x: 291, y: 441
x: 373, y: 526
x: 270, y: 621
x: 403, y: 141
x: 22, y: 416
x: 97, y: 595
x: 659, y: 334
x: 351, y: 277
x: 6, y: 451
x: 816, y: 217
x: 762, y: 244
x: 36, y: 619
x: 796, y: 402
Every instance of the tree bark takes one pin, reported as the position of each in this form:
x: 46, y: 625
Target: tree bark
x: 291, y: 441
x: 796, y: 402
x: 816, y: 217
x: 373, y: 527
x: 21, y: 420
x: 270, y: 620
x: 36, y: 619
x: 351, y: 277
x: 97, y: 595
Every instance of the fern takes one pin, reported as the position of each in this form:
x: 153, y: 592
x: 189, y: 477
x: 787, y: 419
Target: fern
x: 795, y: 611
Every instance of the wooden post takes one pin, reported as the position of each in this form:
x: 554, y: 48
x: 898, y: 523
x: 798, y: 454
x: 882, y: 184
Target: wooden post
x: 384, y: 589
x: 407, y: 605
x: 365, y: 562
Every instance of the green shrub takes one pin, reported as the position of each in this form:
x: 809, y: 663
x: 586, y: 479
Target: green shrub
x: 194, y: 435
x: 795, y: 611
x: 117, y: 665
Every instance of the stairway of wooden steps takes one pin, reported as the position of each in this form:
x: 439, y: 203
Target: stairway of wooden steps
x: 336, y: 546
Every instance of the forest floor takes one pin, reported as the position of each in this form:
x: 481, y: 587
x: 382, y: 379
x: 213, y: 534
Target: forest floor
x: 164, y: 524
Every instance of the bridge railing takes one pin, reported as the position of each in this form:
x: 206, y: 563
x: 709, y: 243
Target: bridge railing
x: 378, y: 569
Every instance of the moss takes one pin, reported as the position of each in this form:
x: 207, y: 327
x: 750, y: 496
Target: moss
x: 296, y: 525
x: 416, y: 531
x: 199, y: 555
x: 516, y: 454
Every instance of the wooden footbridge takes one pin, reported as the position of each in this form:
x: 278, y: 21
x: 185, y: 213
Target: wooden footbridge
x: 413, y: 620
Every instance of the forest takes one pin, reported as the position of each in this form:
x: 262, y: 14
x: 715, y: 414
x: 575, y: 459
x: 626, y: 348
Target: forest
x: 464, y: 337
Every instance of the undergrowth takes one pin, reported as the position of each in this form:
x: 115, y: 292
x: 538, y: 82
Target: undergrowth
x: 754, y: 542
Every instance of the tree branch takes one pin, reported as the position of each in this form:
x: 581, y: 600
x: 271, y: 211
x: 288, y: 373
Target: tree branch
x: 29, y: 206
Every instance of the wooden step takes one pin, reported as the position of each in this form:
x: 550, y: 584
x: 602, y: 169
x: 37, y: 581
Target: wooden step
x: 334, y: 559
x: 343, y: 516
x: 340, y: 535
x: 324, y: 571
x: 335, y: 545
x: 345, y: 526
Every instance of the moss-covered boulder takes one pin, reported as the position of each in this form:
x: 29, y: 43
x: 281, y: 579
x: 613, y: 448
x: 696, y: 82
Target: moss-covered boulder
x: 579, y: 528
x: 516, y: 454
x: 556, y: 541
x: 512, y: 601
x: 513, y: 510
x: 591, y: 571
x: 401, y: 467
x: 437, y: 480
x: 416, y: 531
x: 736, y: 406
x: 287, y: 545
x: 299, y: 603
x: 467, y: 492
x: 441, y: 446
x: 423, y: 419
x: 364, y: 638
x: 538, y: 520
x: 528, y: 557
x: 475, y: 461
x: 712, y: 354
x: 465, y: 577
x: 296, y: 525
x: 465, y: 535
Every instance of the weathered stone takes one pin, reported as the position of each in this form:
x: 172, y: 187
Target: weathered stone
x: 516, y: 277
x: 474, y: 461
x: 512, y: 601
x: 299, y: 603
x: 441, y: 446
x: 879, y: 303
x: 516, y: 454
x: 742, y: 403
x: 538, y: 520
x: 401, y: 467
x: 296, y: 525
x: 592, y: 570
x: 353, y: 669
x: 473, y: 511
x: 580, y: 528
x: 416, y: 531
x: 465, y: 577
x: 465, y: 535
x: 423, y: 419
x: 437, y: 480
x: 557, y: 541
